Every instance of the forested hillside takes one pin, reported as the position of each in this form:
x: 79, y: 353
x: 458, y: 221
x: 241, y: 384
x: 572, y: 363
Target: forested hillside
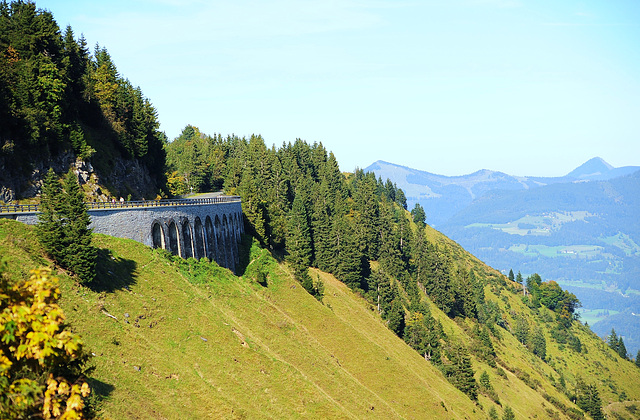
x: 580, y: 230
x: 299, y: 205
x: 60, y: 101
x: 345, y: 305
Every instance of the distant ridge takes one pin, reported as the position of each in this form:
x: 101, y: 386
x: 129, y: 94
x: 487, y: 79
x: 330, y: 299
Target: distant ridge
x: 580, y: 229
x: 443, y: 196
x: 597, y: 169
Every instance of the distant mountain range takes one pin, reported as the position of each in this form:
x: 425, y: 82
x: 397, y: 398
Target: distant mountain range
x: 444, y: 196
x: 581, y: 229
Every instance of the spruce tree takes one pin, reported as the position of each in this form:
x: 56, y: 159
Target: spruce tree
x: 299, y: 242
x: 511, y: 276
x: 396, y: 318
x: 349, y: 258
x: 80, y: 254
x: 508, y: 414
x: 418, y: 215
x: 50, y: 229
x: 588, y: 399
x: 622, y: 349
x: 612, y: 340
x: 460, y: 372
x: 63, y: 226
x: 519, y: 277
x: 538, y: 344
x: 638, y: 359
x: 493, y: 413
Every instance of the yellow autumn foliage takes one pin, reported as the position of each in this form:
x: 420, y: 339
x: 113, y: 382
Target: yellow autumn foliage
x: 33, y: 340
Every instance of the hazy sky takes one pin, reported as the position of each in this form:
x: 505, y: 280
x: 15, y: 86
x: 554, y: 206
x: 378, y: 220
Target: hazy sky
x: 450, y: 87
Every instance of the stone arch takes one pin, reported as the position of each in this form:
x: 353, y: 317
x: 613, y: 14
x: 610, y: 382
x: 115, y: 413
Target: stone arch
x: 198, y: 239
x: 187, y: 238
x: 228, y: 247
x: 235, y: 238
x: 220, y: 249
x: 157, y: 235
x: 237, y: 226
x: 210, y: 239
x: 174, y: 243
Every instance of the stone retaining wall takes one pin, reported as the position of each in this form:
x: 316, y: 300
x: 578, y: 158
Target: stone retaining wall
x: 188, y: 230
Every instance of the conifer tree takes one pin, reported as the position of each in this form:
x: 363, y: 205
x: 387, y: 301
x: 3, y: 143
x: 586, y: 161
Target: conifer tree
x: 80, y: 254
x: 638, y: 359
x: 511, y: 276
x: 538, y: 344
x: 521, y: 329
x: 612, y: 340
x: 418, y: 215
x: 396, y: 318
x: 493, y: 413
x: 460, y: 372
x: 299, y: 242
x: 349, y: 258
x: 508, y: 414
x: 50, y: 229
x: 588, y: 399
x: 63, y: 226
x: 622, y: 349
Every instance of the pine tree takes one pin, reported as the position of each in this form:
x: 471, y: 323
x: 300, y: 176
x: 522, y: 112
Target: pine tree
x: 511, y: 276
x: 638, y: 359
x: 493, y: 413
x: 521, y: 329
x: 508, y: 414
x: 588, y: 399
x: 396, y: 318
x: 80, y: 255
x: 63, y: 226
x: 418, y: 215
x: 622, y: 349
x: 50, y: 229
x: 612, y: 340
x: 298, y: 233
x: 460, y: 372
x: 349, y: 258
x: 538, y: 344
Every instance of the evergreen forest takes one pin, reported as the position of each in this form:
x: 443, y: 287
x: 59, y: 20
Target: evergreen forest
x: 57, y: 96
x: 345, y: 303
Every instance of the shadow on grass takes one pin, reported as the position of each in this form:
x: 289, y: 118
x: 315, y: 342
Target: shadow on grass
x: 112, y: 273
x: 100, y: 391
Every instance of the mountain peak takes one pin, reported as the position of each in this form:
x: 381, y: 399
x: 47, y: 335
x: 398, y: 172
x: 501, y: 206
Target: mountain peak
x: 593, y: 168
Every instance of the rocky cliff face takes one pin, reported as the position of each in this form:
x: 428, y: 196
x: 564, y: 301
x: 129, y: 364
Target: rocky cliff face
x: 126, y: 178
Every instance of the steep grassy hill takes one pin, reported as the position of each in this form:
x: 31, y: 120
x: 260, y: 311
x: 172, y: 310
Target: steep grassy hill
x: 174, y: 339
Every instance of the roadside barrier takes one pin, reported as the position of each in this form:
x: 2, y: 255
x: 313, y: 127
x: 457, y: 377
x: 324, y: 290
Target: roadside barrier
x: 33, y: 208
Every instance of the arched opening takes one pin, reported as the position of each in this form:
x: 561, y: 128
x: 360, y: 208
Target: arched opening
x: 198, y: 238
x: 157, y: 235
x: 211, y: 249
x: 228, y: 248
x: 235, y: 238
x: 187, y: 247
x: 174, y: 246
x: 220, y: 250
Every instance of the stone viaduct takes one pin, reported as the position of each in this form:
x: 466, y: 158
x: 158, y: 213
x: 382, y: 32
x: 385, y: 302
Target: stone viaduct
x: 205, y: 227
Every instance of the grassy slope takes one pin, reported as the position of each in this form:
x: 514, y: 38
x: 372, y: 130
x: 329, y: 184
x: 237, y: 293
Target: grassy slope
x: 270, y: 352
x: 230, y: 348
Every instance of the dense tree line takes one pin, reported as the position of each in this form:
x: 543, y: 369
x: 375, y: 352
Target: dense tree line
x: 56, y: 96
x: 297, y: 203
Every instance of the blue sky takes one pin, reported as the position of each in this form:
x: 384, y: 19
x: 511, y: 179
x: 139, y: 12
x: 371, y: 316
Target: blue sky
x: 450, y: 87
